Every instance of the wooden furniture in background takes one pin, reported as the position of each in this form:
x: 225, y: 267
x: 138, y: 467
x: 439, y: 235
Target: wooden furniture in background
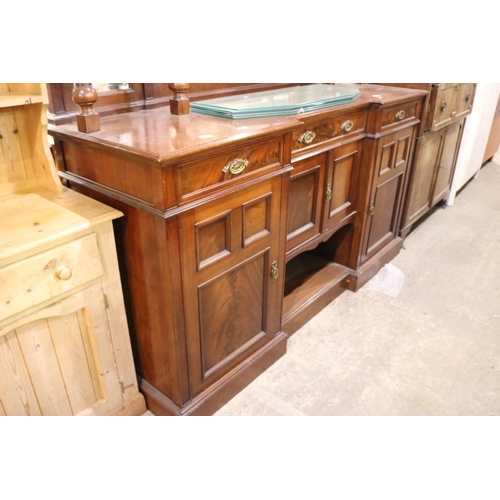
x: 236, y: 232
x: 494, y: 137
x: 64, y: 342
x: 437, y: 146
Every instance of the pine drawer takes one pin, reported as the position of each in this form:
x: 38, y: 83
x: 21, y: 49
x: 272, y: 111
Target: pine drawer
x: 46, y: 275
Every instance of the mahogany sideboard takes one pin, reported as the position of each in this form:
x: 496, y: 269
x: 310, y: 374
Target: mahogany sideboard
x: 221, y: 265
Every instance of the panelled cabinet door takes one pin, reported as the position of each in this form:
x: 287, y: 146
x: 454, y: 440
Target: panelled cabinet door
x: 423, y: 174
x: 306, y: 199
x: 392, y: 158
x: 59, y: 360
x: 444, y: 173
x: 344, y: 164
x: 232, y: 279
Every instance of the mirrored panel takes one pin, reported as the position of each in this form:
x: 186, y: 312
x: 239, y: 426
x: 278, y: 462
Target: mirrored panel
x: 107, y: 87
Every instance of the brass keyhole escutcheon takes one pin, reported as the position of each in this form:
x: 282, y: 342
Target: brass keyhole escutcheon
x: 371, y: 210
x: 443, y: 105
x: 328, y: 192
x: 347, y: 126
x: 467, y: 97
x: 307, y: 137
x: 274, y: 271
x: 400, y: 114
x: 235, y: 166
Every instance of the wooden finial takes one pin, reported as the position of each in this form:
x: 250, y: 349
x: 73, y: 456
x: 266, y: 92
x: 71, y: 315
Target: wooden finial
x: 179, y: 104
x: 85, y: 96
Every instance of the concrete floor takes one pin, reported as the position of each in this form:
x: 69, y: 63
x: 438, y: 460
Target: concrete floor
x: 434, y: 349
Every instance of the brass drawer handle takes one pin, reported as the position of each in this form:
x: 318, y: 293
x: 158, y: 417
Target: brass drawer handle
x: 235, y: 166
x: 443, y: 105
x: 347, y: 126
x: 307, y: 137
x: 274, y: 271
x: 400, y: 115
x: 63, y: 273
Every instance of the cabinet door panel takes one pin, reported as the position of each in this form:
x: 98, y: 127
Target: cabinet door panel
x: 232, y: 311
x: 213, y: 239
x: 232, y: 301
x: 343, y: 168
x: 306, y: 194
x: 382, y: 221
x: 60, y: 362
x: 447, y: 163
x: 424, y: 168
x: 393, y: 156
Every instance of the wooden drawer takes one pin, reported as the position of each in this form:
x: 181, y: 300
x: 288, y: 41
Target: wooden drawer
x: 451, y: 102
x: 46, y: 275
x: 313, y: 133
x: 465, y: 98
x: 201, y: 177
x: 393, y: 116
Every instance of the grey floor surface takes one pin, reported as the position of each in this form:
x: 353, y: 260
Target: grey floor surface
x: 431, y: 349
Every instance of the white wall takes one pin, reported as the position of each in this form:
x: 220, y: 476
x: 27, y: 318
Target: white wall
x: 475, y: 136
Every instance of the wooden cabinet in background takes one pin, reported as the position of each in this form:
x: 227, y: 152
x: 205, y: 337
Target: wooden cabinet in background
x: 64, y: 342
x: 447, y: 161
x: 438, y: 144
x: 492, y: 147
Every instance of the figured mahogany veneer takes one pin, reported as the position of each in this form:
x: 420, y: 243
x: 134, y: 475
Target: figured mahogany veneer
x: 236, y: 232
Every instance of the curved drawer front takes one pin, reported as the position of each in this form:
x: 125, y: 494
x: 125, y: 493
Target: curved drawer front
x: 313, y: 133
x: 393, y: 116
x: 198, y: 178
x: 46, y: 275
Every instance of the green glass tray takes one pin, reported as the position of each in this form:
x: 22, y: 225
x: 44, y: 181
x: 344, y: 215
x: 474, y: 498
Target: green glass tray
x: 287, y: 101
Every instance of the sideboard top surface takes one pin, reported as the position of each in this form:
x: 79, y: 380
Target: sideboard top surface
x: 157, y: 135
